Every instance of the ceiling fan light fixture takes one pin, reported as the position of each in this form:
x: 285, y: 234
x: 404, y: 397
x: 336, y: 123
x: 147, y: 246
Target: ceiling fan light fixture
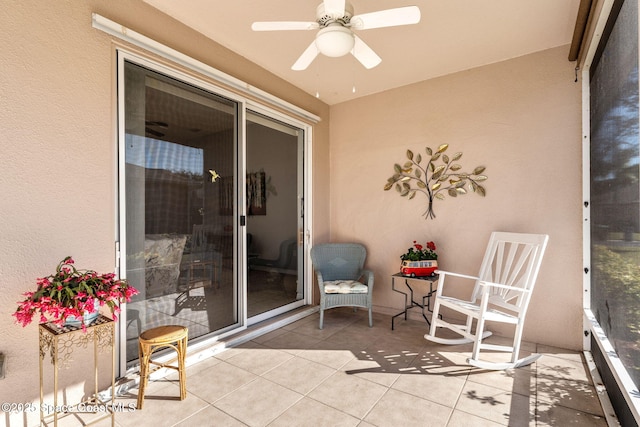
x: 335, y: 41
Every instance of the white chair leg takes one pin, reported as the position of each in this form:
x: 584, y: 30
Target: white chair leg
x: 434, y: 320
x: 370, y: 317
x: 321, y: 317
x: 469, y: 324
x: 479, y: 336
x: 516, y: 342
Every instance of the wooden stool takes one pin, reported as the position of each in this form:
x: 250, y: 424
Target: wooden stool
x: 173, y: 336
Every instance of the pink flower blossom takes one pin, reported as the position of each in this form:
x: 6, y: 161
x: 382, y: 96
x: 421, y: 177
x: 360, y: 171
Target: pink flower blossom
x: 72, y: 292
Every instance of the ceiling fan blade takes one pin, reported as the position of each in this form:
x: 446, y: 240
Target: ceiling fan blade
x: 386, y: 18
x: 363, y: 53
x: 284, y: 26
x: 334, y: 6
x: 306, y: 58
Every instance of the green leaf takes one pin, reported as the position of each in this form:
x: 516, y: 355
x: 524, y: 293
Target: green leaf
x: 406, y: 186
x: 397, y: 168
x: 481, y: 191
x: 455, y: 167
x: 461, y: 190
x: 404, y: 192
x: 481, y: 178
x: 408, y: 165
x: 435, y: 157
x: 418, y: 158
x: 412, y: 194
x: 443, y: 148
x: 461, y: 184
x: 418, y: 173
x: 456, y: 157
x: 410, y: 154
x: 439, y: 196
x: 445, y: 159
x: 428, y: 150
x: 398, y: 188
x: 421, y: 184
x: 388, y: 186
x: 452, y: 192
x: 478, y: 170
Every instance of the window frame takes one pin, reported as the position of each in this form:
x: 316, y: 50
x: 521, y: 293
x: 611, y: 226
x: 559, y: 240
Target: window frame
x: 593, y: 332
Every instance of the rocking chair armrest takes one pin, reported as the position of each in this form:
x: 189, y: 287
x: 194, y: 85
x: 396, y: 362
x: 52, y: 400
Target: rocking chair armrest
x: 441, y: 280
x: 449, y: 273
x: 486, y: 284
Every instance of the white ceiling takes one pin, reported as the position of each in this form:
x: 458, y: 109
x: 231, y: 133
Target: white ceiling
x: 453, y: 35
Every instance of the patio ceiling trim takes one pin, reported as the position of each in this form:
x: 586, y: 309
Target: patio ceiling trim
x: 585, y: 14
x: 113, y: 28
x: 592, y: 24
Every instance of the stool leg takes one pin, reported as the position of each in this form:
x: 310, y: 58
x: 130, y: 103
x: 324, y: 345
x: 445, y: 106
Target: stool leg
x: 145, y: 354
x: 182, y: 353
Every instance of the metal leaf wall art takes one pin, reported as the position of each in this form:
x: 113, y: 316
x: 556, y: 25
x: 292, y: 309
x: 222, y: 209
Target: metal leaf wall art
x: 439, y: 176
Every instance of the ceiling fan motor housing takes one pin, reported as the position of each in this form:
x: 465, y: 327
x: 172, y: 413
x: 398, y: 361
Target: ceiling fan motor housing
x: 327, y: 17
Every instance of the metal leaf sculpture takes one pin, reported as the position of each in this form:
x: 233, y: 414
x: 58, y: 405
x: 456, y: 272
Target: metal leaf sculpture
x: 435, y: 180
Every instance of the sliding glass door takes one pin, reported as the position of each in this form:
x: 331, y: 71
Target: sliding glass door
x: 211, y: 206
x: 275, y: 216
x: 180, y: 200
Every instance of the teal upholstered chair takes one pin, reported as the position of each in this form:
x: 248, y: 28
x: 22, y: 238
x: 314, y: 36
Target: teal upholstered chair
x: 341, y: 277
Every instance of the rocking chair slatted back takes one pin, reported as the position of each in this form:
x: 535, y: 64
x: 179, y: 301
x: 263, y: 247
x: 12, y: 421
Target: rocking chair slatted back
x: 512, y: 260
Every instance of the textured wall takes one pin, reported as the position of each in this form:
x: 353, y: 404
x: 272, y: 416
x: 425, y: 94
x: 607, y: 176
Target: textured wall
x: 519, y: 118
x: 58, y: 173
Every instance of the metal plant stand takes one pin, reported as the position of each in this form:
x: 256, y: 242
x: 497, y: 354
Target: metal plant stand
x: 60, y: 343
x: 409, y: 300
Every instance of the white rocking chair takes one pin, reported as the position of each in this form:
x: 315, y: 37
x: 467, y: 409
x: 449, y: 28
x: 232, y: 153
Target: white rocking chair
x: 501, y: 294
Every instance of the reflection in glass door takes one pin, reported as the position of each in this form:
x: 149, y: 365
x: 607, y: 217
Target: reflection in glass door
x: 179, y: 195
x: 274, y: 164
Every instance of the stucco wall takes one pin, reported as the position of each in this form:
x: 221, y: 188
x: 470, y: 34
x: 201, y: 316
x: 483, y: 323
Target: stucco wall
x: 58, y: 162
x: 519, y: 118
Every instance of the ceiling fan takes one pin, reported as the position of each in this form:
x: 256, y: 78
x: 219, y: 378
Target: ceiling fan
x: 336, y: 22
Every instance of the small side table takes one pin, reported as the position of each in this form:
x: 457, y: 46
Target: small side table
x: 60, y: 342
x: 409, y: 300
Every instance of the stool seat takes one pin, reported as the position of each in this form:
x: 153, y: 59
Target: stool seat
x: 168, y: 333
x: 172, y: 336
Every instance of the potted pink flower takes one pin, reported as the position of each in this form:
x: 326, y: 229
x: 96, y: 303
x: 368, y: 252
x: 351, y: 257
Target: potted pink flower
x: 70, y: 293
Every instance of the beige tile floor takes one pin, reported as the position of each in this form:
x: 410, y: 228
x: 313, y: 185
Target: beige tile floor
x: 351, y: 375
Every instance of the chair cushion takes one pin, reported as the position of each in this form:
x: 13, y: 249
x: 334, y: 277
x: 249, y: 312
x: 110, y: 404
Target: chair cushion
x: 345, y: 287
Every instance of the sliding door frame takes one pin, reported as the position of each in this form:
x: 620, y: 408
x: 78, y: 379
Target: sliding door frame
x: 240, y: 210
